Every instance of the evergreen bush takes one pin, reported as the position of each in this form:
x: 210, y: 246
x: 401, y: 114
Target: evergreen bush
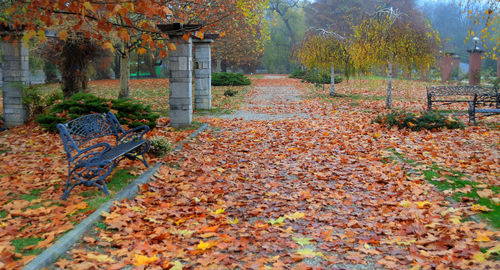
x: 429, y: 120
x: 229, y: 79
x: 128, y: 112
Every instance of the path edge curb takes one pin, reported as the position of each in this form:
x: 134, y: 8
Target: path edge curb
x: 51, y: 254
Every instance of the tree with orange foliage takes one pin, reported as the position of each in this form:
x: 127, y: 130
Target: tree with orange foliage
x: 127, y: 24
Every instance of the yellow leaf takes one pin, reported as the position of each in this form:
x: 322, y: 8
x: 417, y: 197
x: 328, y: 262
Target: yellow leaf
x: 63, y: 35
x: 109, y: 46
x: 423, y: 204
x: 218, y: 211
x: 137, y: 209
x: 141, y: 51
x: 479, y: 257
x: 376, y: 135
x: 307, y: 252
x: 495, y: 249
x: 295, y: 216
x: 144, y: 260
x: 101, y: 258
x: 482, y: 237
x: 404, y: 203
x: 455, y: 220
x: 478, y: 207
x: 233, y: 222
x: 205, y: 245
x: 177, y: 266
x: 88, y: 6
x: 171, y: 46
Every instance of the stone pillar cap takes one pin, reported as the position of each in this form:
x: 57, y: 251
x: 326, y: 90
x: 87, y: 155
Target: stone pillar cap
x: 206, y: 40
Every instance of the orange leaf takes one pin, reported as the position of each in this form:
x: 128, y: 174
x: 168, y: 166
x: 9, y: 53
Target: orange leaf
x: 186, y: 37
x: 63, y: 35
x: 141, y: 51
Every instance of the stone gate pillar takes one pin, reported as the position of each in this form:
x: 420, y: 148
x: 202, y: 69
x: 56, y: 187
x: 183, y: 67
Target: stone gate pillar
x: 446, y: 67
x: 15, y: 66
x: 202, y: 74
x: 181, y: 80
x: 475, y: 67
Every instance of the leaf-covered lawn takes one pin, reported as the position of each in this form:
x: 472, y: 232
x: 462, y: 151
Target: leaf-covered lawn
x: 33, y: 171
x: 331, y: 191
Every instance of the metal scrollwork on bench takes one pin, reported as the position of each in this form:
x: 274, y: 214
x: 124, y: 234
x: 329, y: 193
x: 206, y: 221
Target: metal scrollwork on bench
x: 436, y: 94
x: 492, y: 101
x: 91, y: 165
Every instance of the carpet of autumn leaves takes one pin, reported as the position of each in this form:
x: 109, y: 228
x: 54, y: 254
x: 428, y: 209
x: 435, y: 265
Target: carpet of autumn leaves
x: 33, y: 171
x: 302, y: 193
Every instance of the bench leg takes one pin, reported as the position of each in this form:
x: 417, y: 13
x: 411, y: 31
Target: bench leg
x: 91, y: 174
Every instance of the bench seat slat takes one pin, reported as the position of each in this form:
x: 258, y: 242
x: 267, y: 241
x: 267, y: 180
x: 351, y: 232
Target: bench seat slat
x: 121, y: 150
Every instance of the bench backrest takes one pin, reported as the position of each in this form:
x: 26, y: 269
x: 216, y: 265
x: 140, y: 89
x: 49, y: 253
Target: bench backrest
x: 459, y: 90
x: 80, y: 131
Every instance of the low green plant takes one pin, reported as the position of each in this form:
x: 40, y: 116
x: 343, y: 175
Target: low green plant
x: 427, y: 120
x: 319, y: 77
x: 229, y: 79
x: 128, y: 112
x: 298, y: 74
x: 230, y: 92
x: 35, y: 102
x: 160, y: 146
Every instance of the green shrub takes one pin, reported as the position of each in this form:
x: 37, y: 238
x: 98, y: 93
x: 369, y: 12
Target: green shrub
x: 134, y: 114
x: 298, y: 74
x: 229, y: 79
x: 159, y: 146
x: 318, y: 77
x: 427, y: 120
x: 230, y: 92
x: 128, y: 112
x: 36, y: 103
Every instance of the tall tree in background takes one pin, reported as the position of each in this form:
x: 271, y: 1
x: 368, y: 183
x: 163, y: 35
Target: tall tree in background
x: 485, y: 14
x: 338, y: 14
x: 241, y: 44
x: 389, y: 38
x: 279, y: 46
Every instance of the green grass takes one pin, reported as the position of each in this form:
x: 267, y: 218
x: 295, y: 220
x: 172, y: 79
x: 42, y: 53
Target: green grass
x: 95, y: 197
x: 101, y: 225
x: 34, y: 194
x: 20, y: 243
x: 448, y: 179
x: 194, y: 125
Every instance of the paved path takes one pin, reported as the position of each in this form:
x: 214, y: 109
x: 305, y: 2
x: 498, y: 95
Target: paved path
x: 266, y: 98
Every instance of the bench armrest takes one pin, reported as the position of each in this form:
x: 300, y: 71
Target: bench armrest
x: 91, y: 153
x: 133, y: 134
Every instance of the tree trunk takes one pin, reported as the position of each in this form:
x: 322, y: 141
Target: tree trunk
x: 389, y: 86
x: 223, y: 66
x: 219, y: 66
x: 124, y: 74
x: 332, y: 86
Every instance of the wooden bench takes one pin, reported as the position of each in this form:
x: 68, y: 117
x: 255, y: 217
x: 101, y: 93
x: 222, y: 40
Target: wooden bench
x: 486, y: 100
x: 90, y: 162
x: 443, y: 94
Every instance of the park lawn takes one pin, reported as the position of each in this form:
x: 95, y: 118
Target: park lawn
x: 33, y: 172
x: 330, y: 191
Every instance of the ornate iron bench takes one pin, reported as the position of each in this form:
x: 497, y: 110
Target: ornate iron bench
x: 486, y: 100
x: 437, y: 94
x: 89, y: 163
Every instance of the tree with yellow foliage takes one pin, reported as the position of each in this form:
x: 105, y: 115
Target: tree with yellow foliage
x: 388, y: 38
x: 325, y: 50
